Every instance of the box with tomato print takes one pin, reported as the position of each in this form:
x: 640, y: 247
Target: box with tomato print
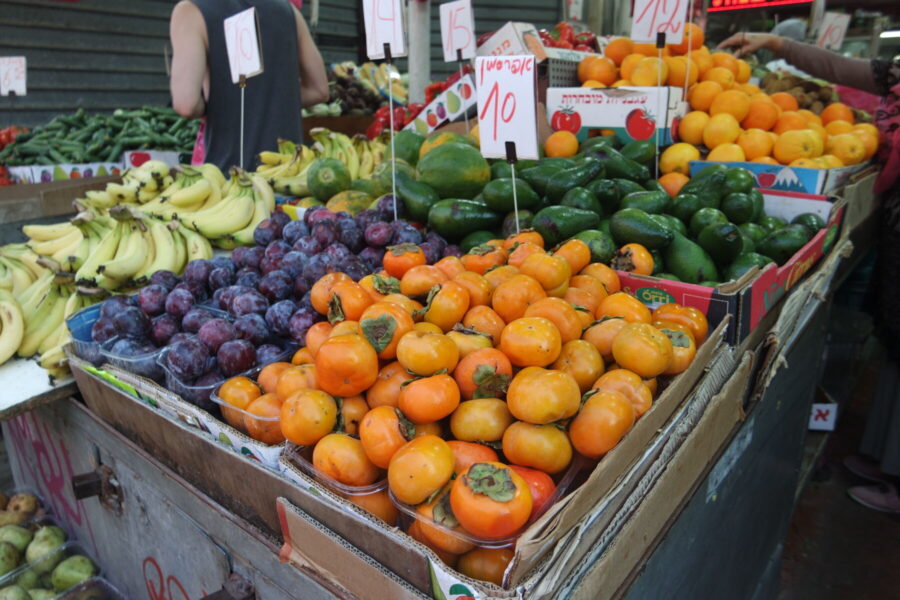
x: 634, y: 113
x: 751, y: 297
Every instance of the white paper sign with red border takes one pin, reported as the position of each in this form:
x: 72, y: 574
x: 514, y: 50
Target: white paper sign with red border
x: 457, y: 30
x: 833, y: 30
x: 242, y: 44
x: 823, y: 416
x: 658, y: 16
x: 506, y: 105
x: 384, y: 25
x: 13, y: 75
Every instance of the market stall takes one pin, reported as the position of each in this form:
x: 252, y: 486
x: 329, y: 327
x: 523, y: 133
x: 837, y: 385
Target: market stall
x: 431, y: 350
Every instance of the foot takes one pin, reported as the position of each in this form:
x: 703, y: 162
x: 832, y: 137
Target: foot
x: 865, y: 468
x: 882, y: 497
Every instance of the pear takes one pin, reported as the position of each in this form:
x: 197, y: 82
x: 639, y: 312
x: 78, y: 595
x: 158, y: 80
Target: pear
x: 25, y: 503
x: 72, y: 571
x: 11, y: 517
x: 40, y: 594
x: 46, y: 540
x: 14, y: 592
x: 28, y: 579
x: 17, y: 536
x: 9, y: 557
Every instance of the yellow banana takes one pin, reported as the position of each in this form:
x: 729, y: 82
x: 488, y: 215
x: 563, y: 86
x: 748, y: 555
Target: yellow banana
x: 51, y: 247
x: 46, y: 233
x: 12, y: 325
x: 230, y: 215
x: 42, y: 322
x: 122, y: 192
x: 196, y: 246
x: 103, y: 253
x: 179, y: 245
x: 128, y: 259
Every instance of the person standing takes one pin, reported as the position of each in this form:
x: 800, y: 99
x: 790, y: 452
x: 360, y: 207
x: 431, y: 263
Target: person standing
x: 879, y: 460
x: 293, y: 76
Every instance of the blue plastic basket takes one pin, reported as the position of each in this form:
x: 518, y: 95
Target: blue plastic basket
x: 80, y: 325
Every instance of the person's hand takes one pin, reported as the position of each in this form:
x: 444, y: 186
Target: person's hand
x: 747, y: 43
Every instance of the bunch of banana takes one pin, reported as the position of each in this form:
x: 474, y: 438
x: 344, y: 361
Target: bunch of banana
x: 231, y: 214
x: 263, y: 205
x: 12, y: 325
x: 43, y: 307
x: 19, y: 268
x: 386, y: 79
x: 331, y: 144
x: 371, y: 154
x: 141, y: 184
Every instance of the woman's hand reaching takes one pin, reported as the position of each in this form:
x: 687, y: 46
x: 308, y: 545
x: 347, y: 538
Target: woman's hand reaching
x: 747, y: 43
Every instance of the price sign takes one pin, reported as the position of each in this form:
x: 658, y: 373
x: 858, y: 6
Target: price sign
x: 242, y: 44
x: 833, y: 30
x: 12, y: 75
x: 506, y: 105
x: 658, y: 16
x: 384, y: 25
x: 457, y: 29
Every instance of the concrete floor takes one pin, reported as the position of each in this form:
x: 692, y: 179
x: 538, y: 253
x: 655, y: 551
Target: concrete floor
x: 836, y: 548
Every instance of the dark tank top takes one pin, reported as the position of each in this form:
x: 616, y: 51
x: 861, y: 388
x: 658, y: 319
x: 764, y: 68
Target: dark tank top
x: 272, y: 98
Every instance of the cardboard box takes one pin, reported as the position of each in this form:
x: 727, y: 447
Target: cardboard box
x: 862, y: 202
x: 632, y: 112
x: 748, y: 299
x: 63, y: 172
x: 792, y: 179
x: 452, y: 103
x: 135, y: 158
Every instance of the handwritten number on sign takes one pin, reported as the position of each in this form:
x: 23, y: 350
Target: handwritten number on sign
x: 493, y: 108
x: 659, y: 16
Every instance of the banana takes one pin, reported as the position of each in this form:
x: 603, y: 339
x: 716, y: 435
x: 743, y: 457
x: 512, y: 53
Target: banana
x: 273, y: 158
x: 20, y: 276
x: 145, y: 180
x: 122, y: 192
x: 145, y: 195
x: 230, y: 215
x: 142, y: 274
x: 165, y: 254
x: 53, y: 339
x: 45, y: 319
x: 213, y: 173
x: 51, y: 247
x: 180, y: 247
x: 54, y: 359
x: 24, y: 256
x: 263, y: 205
x: 6, y: 278
x: 292, y: 186
x: 192, y: 196
x: 104, y: 252
x: 156, y: 168
x: 12, y: 325
x: 99, y: 199
x: 30, y: 297
x: 126, y: 262
x: 46, y: 233
x: 196, y: 246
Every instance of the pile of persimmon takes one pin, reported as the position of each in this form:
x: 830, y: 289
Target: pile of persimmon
x: 471, y: 383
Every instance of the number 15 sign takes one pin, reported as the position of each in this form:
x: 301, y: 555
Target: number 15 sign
x: 506, y: 105
x: 457, y: 29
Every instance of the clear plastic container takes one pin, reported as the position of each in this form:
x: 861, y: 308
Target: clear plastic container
x: 144, y: 365
x: 562, y: 487
x: 95, y: 588
x: 37, y: 572
x: 301, y: 456
x: 239, y: 418
x: 80, y: 325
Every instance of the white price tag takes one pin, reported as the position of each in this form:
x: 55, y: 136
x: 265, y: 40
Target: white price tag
x: 12, y: 75
x: 457, y: 29
x: 242, y: 43
x: 658, y: 16
x: 506, y: 105
x: 384, y: 25
x: 833, y: 30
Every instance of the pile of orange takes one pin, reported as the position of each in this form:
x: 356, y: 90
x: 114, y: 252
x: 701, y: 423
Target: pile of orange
x: 497, y: 366
x: 738, y: 122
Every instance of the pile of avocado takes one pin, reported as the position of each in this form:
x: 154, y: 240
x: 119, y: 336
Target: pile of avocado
x: 35, y: 565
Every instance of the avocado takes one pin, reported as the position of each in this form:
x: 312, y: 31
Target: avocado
x: 579, y: 197
x: 708, y: 171
x: 688, y: 261
x: 417, y: 197
x: 669, y: 276
x: 538, y: 177
x: 565, y: 180
x: 708, y: 190
x: 602, y: 246
x: 607, y: 193
x: 744, y: 263
x: 649, y: 202
x: 604, y: 227
x: 652, y: 185
x: 753, y: 231
x: 782, y: 244
x: 617, y: 165
x: 704, y: 217
x: 738, y: 179
x: 509, y: 222
x: 771, y: 224
x: 560, y: 162
x: 722, y: 241
x: 634, y: 225
x: 684, y: 206
x: 500, y: 169
x: 758, y: 205
x: 455, y: 219
x: 738, y: 207
x: 599, y: 141
x: 671, y: 222
x: 642, y: 151
x: 658, y: 262
x: 559, y: 223
x: 498, y: 195
x: 747, y: 243
x: 476, y: 238
x: 811, y: 220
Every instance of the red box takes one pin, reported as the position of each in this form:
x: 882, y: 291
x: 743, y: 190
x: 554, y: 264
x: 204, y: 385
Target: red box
x: 748, y: 299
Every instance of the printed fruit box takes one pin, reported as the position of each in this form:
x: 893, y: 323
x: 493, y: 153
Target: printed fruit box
x: 135, y: 158
x: 791, y: 179
x: 750, y: 298
x: 454, y: 102
x: 47, y: 173
x: 632, y: 112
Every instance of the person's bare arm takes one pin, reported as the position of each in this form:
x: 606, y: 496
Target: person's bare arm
x: 313, y: 79
x: 818, y: 62
x: 187, y: 30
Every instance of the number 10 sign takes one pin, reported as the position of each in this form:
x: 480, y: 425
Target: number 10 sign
x: 506, y: 105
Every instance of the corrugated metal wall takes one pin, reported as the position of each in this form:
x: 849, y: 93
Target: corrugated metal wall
x: 108, y: 54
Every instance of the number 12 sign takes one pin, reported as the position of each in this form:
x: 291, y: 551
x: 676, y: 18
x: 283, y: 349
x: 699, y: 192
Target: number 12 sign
x: 506, y: 105
x: 12, y: 75
x: 457, y: 29
x: 384, y: 25
x: 658, y: 16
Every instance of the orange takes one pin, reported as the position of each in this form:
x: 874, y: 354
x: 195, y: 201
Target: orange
x: 785, y: 101
x: 755, y: 143
x: 722, y: 128
x: 628, y: 65
x: 820, y: 134
x: 720, y: 75
x: 617, y: 49
x: 650, y: 71
x: 743, y: 71
x: 701, y: 96
x: 870, y: 142
x: 693, y: 35
x: 590, y: 83
x: 704, y: 62
x: 870, y: 128
x: 789, y: 119
x: 810, y: 116
x: 598, y: 68
x: 792, y: 145
x: 620, y: 83
x: 848, y: 148
x: 673, y: 182
x: 733, y: 102
x: 727, y: 153
x: 680, y: 67
x: 583, y: 67
x: 645, y: 49
x: 690, y: 129
x: 726, y: 61
x: 561, y: 144
x: 830, y: 161
x: 766, y: 160
x: 837, y: 111
x: 749, y: 88
x: 836, y: 126
x: 677, y: 157
x: 806, y: 163
x: 761, y: 114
